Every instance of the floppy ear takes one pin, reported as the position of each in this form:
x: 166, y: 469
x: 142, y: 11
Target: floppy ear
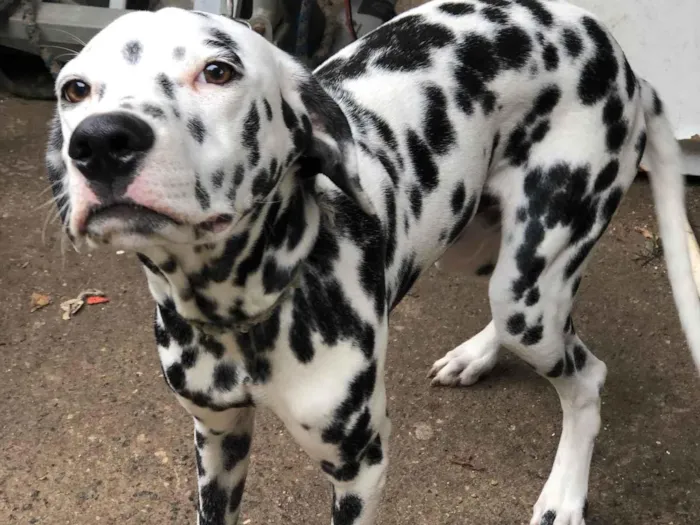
x: 330, y: 148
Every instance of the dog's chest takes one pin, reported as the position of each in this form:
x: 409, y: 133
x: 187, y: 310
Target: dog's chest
x: 207, y: 369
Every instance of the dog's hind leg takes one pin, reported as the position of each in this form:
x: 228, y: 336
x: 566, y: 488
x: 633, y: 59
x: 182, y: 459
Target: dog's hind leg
x: 554, y: 211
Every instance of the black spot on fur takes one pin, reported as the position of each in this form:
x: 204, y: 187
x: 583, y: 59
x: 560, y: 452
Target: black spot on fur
x: 513, y: 46
x: 251, y: 127
x: 630, y: 79
x: 235, y: 449
x: 236, y: 496
x: 162, y: 337
x: 494, y: 145
x: 495, y: 15
x: 179, y: 53
x: 189, y: 357
x: 477, y: 64
x: 607, y: 175
x: 262, y: 184
x: 214, y: 502
x: 197, y: 130
x: 658, y: 105
x: 374, y: 454
x: 612, y: 112
x: 148, y: 263
x: 457, y: 9
x: 611, y: 204
x: 556, y: 370
x: 300, y: 332
x: 574, y: 264
x: 423, y: 164
x: 132, y: 52
x: 540, y: 132
x: 462, y: 220
x: 268, y: 109
x: 225, y: 376
x: 346, y: 472
x: 532, y: 335
x: 516, y: 324
x: 568, y: 365
x: 227, y: 48
x: 202, y: 194
x: 600, y: 71
x: 538, y: 11
x: 167, y: 86
x: 616, y: 135
x: 545, y: 102
x: 354, y: 440
x: 175, y: 325
x: 550, y: 57
x: 532, y: 297
x: 572, y: 43
x: 459, y: 195
x: 560, y: 195
x: 579, y: 357
x: 217, y: 179
x: 416, y: 198
x: 347, y: 510
x: 640, y: 146
x: 176, y: 376
x: 518, y: 147
x: 438, y: 127
x: 153, y: 111
x: 529, y: 264
x: 399, y: 52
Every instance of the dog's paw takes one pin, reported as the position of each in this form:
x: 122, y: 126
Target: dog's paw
x: 466, y: 364
x: 563, y: 513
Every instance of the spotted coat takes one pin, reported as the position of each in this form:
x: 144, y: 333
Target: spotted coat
x: 280, y: 215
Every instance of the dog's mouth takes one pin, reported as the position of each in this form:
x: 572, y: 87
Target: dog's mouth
x: 216, y: 224
x: 125, y: 216
x: 129, y: 218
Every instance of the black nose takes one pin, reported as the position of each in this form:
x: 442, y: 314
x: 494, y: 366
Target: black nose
x: 108, y: 146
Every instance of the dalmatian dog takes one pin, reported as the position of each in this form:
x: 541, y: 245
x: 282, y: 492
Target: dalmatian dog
x: 280, y: 215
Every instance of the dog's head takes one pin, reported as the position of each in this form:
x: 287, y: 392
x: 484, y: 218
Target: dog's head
x: 172, y: 126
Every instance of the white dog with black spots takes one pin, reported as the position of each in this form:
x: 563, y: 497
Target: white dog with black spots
x: 281, y: 214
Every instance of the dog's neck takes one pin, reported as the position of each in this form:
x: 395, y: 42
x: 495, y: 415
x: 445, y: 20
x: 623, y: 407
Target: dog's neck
x: 239, y: 281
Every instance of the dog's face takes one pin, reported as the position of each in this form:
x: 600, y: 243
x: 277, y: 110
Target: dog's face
x: 171, y: 126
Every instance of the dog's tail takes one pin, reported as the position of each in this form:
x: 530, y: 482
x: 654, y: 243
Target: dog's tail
x: 668, y: 189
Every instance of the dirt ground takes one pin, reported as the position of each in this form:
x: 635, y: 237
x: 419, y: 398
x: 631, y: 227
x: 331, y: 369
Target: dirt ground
x: 90, y: 434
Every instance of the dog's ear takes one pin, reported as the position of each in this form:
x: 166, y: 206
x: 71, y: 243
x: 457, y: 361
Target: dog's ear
x: 329, y: 147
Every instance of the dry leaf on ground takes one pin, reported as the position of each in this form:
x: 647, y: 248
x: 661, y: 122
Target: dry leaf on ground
x: 39, y: 300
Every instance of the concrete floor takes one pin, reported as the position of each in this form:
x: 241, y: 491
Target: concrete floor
x: 89, y: 433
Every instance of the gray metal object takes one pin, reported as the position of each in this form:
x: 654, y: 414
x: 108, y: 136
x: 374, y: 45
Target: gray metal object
x: 65, y: 25
x: 60, y: 24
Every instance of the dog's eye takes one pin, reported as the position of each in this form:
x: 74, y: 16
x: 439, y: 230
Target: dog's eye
x: 217, y: 73
x: 75, y: 91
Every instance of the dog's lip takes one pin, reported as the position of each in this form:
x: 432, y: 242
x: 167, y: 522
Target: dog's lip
x: 125, y: 211
x: 217, y: 223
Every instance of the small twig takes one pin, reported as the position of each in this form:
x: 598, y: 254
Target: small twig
x: 467, y: 463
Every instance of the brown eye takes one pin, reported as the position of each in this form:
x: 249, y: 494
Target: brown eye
x: 217, y: 73
x: 75, y: 91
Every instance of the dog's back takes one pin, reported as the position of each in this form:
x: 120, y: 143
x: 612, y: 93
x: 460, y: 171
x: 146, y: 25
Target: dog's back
x: 455, y: 100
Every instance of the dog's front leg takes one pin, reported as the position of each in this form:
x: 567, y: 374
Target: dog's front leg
x: 358, y: 486
x: 349, y: 442
x: 222, y: 449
